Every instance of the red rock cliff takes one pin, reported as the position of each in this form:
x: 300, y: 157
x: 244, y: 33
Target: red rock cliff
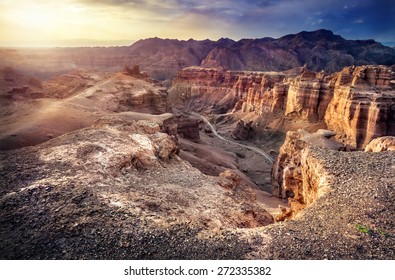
x: 363, y: 104
x: 357, y: 102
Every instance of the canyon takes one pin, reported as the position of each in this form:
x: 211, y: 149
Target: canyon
x: 294, y: 161
x: 357, y: 103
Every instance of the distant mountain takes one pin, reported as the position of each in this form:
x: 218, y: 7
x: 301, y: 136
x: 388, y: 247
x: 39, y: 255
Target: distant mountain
x: 318, y: 50
x: 163, y: 58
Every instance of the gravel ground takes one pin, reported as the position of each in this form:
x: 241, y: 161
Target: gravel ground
x: 75, y: 197
x: 95, y: 194
x: 353, y: 220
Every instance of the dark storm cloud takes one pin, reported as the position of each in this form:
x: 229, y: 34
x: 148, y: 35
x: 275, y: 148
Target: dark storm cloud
x: 354, y: 19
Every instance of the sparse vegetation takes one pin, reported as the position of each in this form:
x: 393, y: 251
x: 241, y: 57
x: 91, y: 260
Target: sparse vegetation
x: 382, y: 233
x: 363, y: 229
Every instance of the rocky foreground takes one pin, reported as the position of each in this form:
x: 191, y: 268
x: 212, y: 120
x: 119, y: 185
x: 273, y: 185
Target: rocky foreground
x: 118, y: 190
x: 351, y: 215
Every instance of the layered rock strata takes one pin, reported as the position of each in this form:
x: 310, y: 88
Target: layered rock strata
x: 386, y: 143
x: 242, y: 131
x: 287, y: 174
x: 183, y: 126
x: 357, y: 102
x: 188, y: 128
x: 363, y: 104
x: 33, y: 114
x: 351, y: 210
x: 197, y: 88
x: 119, y: 191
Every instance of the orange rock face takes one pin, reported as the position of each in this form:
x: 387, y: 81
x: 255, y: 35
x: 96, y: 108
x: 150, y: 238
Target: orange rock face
x: 356, y: 103
x: 287, y: 173
x: 362, y: 107
x: 386, y: 143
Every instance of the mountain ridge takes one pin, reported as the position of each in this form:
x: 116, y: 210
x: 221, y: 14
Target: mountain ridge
x: 163, y: 58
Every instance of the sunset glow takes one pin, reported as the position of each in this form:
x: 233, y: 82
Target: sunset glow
x: 112, y: 22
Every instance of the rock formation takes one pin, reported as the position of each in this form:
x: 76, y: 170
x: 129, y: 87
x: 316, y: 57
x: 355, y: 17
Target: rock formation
x: 362, y: 107
x: 198, y: 88
x: 356, y: 103
x: 32, y: 115
x: 183, y: 126
x: 115, y: 186
x: 351, y: 196
x: 287, y: 174
x: 117, y: 190
x: 135, y: 72
x: 188, y: 128
x: 386, y: 143
x: 243, y: 131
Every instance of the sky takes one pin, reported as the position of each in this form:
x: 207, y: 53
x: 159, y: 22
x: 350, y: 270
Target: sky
x: 42, y: 23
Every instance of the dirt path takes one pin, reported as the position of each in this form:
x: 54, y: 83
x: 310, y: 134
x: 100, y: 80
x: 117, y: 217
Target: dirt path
x: 251, y: 148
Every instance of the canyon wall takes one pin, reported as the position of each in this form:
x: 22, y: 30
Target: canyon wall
x: 349, y: 198
x: 198, y: 88
x: 358, y: 103
x: 363, y: 104
x: 289, y: 178
x: 303, y: 179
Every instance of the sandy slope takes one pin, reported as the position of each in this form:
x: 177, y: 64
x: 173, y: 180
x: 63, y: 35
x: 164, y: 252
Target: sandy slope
x: 26, y: 121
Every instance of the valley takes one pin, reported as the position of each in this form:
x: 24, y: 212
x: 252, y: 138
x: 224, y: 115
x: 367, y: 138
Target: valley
x: 199, y: 151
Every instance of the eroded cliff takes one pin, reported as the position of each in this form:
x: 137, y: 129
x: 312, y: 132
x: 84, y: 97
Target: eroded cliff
x: 363, y: 104
x: 357, y: 103
x: 350, y: 208
x: 289, y: 179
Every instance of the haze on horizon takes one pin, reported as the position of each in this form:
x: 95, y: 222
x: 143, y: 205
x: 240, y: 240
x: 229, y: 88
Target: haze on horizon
x: 45, y: 23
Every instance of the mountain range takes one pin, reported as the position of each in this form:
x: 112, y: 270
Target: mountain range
x: 163, y: 58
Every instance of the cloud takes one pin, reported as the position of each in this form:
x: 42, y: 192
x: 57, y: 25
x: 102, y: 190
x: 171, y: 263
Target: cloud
x: 259, y: 18
x: 200, y: 19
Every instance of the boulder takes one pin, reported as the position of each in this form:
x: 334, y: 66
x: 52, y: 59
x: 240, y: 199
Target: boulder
x: 242, y: 131
x: 381, y: 144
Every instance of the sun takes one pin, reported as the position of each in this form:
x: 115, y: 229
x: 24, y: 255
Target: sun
x: 43, y: 22
x: 34, y: 17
